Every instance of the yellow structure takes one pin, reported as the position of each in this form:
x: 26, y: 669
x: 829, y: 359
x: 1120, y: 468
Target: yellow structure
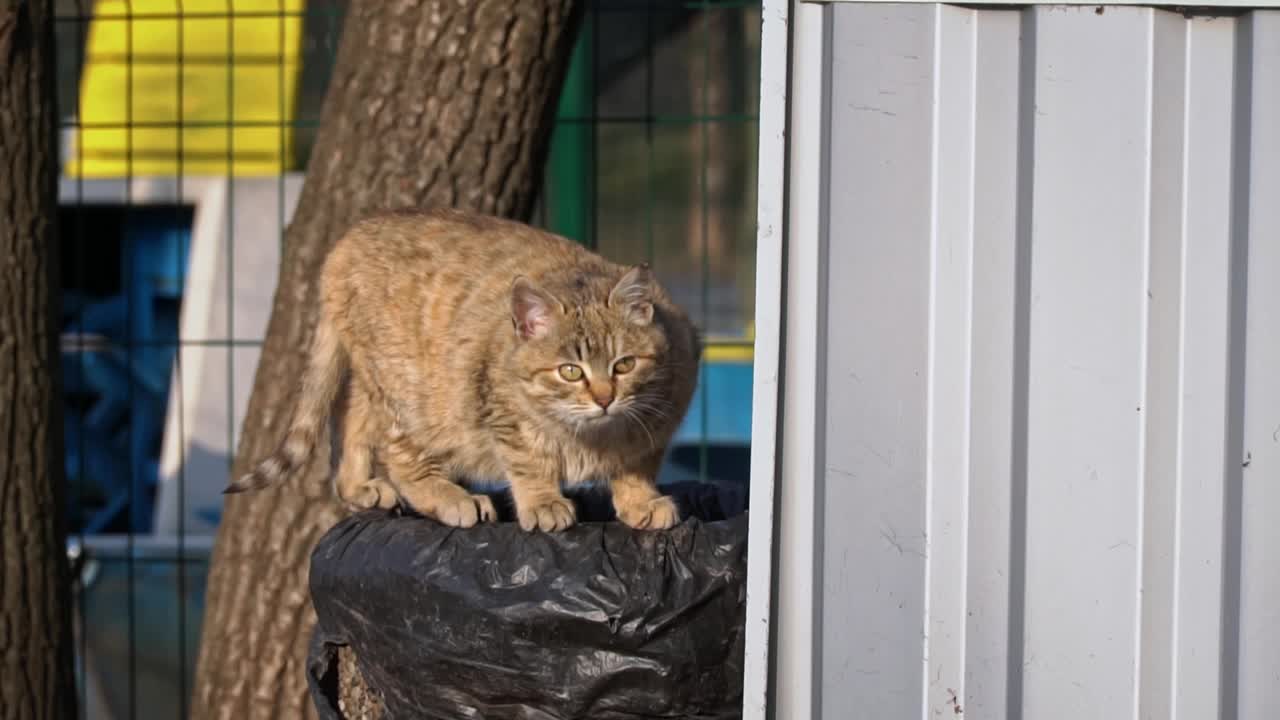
x: 731, y: 350
x: 210, y: 81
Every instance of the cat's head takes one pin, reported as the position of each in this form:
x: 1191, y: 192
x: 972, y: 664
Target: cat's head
x: 599, y: 353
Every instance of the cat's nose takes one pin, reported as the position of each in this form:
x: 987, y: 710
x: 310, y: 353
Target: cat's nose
x: 603, y: 397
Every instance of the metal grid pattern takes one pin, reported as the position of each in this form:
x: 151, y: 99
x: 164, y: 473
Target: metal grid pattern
x: 653, y: 158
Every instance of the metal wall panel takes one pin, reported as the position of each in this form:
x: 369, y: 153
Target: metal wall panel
x: 1255, y: 534
x: 1046, y: 466
x: 873, y: 576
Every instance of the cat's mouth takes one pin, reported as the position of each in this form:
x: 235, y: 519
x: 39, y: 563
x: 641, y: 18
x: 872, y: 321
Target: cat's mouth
x: 597, y: 417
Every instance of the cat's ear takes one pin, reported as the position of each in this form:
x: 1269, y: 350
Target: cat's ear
x: 532, y: 309
x: 634, y: 295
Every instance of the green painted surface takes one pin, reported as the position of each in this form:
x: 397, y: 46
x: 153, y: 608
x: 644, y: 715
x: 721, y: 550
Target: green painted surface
x: 571, y: 163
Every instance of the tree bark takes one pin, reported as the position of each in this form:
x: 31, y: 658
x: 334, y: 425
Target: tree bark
x: 36, y: 670
x: 432, y: 102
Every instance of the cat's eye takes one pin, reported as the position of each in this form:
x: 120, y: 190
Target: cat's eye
x: 624, y: 365
x: 571, y: 372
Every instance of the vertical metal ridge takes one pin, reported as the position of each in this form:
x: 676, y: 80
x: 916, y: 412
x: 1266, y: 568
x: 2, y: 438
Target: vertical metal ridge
x: 1022, y: 365
x: 1161, y: 407
x: 1180, y: 410
x: 760, y: 657
x: 1233, y: 476
x: 991, y: 338
x: 971, y: 202
x: 931, y: 359
x: 797, y: 581
x: 820, y: 370
x: 1144, y: 348
x: 949, y: 357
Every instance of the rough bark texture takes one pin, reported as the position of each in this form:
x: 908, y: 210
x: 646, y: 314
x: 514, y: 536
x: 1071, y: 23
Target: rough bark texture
x: 36, y: 672
x: 718, y: 177
x: 432, y: 102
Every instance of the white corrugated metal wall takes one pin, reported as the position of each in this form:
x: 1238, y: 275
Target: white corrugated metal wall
x: 1028, y: 442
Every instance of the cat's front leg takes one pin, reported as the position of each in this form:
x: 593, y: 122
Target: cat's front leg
x: 535, y: 488
x: 352, y: 455
x: 354, y: 484
x: 422, y: 480
x: 638, y: 502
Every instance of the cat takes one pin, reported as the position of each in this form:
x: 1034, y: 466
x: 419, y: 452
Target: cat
x: 455, y: 347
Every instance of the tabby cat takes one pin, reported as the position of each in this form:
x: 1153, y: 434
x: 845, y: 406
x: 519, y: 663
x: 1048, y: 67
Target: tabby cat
x: 455, y: 347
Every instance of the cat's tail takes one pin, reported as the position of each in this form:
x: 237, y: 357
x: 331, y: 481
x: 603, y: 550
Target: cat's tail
x: 320, y: 382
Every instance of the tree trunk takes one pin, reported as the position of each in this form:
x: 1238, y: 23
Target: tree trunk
x: 432, y: 102
x: 711, y: 230
x: 36, y: 671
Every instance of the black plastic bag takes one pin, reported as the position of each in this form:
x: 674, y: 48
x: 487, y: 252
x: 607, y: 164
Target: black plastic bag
x: 600, y: 621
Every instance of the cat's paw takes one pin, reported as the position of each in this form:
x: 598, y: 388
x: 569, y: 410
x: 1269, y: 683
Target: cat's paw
x: 660, y: 513
x: 375, y: 493
x: 484, y: 505
x: 462, y: 512
x: 549, y: 514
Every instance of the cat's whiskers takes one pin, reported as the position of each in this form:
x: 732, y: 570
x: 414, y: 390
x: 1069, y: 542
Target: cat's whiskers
x: 630, y: 413
x: 650, y: 406
x: 656, y: 403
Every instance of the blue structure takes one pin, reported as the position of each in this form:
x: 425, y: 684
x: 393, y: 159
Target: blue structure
x: 117, y: 358
x: 715, y: 436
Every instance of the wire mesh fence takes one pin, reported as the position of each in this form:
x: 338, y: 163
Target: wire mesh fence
x: 186, y: 129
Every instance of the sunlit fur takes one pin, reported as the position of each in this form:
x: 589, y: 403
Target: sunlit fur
x: 445, y: 333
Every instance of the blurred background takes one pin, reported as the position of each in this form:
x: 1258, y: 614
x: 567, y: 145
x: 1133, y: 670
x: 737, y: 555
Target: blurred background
x: 186, y: 132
